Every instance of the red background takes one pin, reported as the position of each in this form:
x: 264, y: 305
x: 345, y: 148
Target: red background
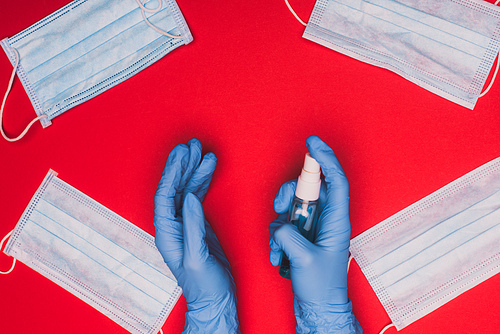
x: 251, y: 89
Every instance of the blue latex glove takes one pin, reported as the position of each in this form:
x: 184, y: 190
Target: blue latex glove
x: 188, y: 244
x: 318, y: 271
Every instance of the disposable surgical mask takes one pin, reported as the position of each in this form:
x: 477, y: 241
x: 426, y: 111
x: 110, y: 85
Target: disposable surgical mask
x: 436, y: 249
x: 87, y: 47
x: 445, y: 46
x: 96, y: 255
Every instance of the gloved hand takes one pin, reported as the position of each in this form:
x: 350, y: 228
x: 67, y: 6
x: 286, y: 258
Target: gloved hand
x: 188, y: 244
x: 318, y: 271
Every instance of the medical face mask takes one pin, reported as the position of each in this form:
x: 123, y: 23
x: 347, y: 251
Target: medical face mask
x: 445, y: 46
x: 436, y: 249
x: 96, y: 255
x: 89, y: 46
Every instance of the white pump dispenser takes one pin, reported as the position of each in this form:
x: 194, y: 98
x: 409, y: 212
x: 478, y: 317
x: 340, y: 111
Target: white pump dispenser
x: 309, y: 181
x: 303, y: 209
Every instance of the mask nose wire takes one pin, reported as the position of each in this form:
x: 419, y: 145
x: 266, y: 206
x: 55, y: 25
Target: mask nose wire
x: 9, y: 87
x: 294, y: 14
x: 13, y: 262
x: 145, y: 10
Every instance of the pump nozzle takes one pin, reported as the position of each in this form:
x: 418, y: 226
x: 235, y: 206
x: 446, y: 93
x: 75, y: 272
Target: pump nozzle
x: 309, y: 182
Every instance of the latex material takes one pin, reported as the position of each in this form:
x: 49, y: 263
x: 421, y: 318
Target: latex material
x: 188, y: 244
x: 436, y: 249
x: 447, y: 47
x: 319, y: 271
x: 99, y: 257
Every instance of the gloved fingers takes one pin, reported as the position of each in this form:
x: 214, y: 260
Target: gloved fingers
x: 275, y: 253
x: 195, y: 247
x: 275, y: 224
x: 200, y: 180
x: 284, y: 197
x: 169, y: 185
x: 276, y: 250
x: 170, y: 243
x: 334, y: 230
x: 295, y: 245
x: 334, y: 217
x: 214, y: 246
x: 194, y: 146
x: 194, y: 157
x: 323, y: 195
x: 335, y: 178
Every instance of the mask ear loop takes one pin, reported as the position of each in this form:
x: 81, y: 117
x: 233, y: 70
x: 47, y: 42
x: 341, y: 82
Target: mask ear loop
x: 480, y: 95
x: 9, y: 87
x: 492, y: 78
x: 141, y: 3
x: 349, y: 262
x: 386, y: 328
x: 13, y: 262
x: 295, y: 14
x: 496, y: 69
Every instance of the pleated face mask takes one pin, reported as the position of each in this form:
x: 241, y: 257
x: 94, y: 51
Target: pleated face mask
x: 96, y: 255
x: 445, y: 46
x: 436, y: 249
x: 89, y: 46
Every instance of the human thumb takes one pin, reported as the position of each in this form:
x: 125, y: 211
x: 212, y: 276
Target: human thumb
x: 195, y: 247
x: 289, y: 239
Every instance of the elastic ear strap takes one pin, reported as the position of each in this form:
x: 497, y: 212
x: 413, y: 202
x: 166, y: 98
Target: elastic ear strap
x: 493, y: 77
x: 386, y: 328
x: 141, y: 3
x: 496, y: 69
x: 480, y: 95
x: 349, y: 262
x: 13, y: 262
x: 295, y: 14
x: 9, y: 87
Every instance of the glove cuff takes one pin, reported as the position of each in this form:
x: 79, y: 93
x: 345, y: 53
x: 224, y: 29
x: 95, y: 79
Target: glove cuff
x: 314, y: 318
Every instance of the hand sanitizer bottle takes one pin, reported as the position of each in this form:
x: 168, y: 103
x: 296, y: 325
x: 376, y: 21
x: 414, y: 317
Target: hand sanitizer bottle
x: 303, y: 211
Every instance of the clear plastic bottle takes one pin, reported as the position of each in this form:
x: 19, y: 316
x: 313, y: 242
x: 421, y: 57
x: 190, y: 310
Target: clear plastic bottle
x: 303, y: 210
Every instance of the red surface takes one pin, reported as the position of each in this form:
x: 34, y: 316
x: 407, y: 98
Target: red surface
x: 251, y: 89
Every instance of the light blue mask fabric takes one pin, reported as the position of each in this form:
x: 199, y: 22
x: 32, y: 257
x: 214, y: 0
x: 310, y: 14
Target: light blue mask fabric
x: 436, y: 249
x: 445, y: 46
x: 89, y: 46
x: 96, y: 255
